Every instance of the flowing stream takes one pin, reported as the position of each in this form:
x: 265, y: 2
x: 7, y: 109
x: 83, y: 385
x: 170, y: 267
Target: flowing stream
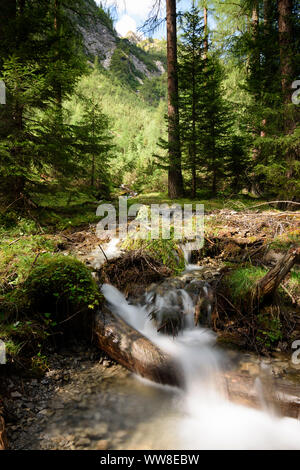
x: 201, y: 416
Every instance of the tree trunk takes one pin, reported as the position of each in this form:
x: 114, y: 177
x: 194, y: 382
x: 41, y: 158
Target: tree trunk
x: 285, y: 27
x: 93, y: 156
x: 214, y: 182
x: 266, y: 286
x: 205, y: 33
x: 194, y: 121
x: 134, y: 351
x: 254, y: 63
x: 57, y: 28
x: 267, y: 54
x: 255, y: 27
x: 194, y: 179
x: 8, y: 14
x: 213, y: 156
x: 175, y: 180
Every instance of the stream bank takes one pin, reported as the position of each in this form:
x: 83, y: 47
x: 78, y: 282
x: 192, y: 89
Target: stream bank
x: 87, y: 401
x: 51, y: 416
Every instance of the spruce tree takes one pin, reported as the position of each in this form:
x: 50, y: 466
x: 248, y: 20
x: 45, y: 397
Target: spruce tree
x: 215, y: 123
x: 94, y: 144
x: 191, y: 76
x: 40, y: 69
x: 206, y: 124
x: 272, y: 118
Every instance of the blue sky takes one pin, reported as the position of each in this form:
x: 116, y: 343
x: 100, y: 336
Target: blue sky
x: 131, y: 14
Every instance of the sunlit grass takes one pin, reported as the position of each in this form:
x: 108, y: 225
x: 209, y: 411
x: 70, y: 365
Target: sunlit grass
x: 210, y: 204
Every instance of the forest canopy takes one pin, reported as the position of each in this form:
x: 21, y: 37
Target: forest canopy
x: 69, y: 122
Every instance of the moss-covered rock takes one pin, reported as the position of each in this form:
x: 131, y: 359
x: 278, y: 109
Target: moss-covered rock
x: 57, y: 300
x: 63, y: 288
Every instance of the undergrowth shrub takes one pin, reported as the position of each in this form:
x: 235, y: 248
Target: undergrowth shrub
x: 60, y: 285
x: 56, y: 301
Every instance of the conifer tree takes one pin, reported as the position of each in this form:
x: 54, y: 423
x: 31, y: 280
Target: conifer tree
x: 204, y: 114
x: 274, y: 62
x: 215, y: 122
x: 94, y: 143
x: 191, y: 76
x: 33, y: 70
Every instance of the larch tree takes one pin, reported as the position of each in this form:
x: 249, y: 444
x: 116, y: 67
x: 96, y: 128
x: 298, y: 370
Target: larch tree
x: 175, y: 179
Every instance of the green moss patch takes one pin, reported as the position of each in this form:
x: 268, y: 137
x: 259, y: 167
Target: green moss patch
x: 17, y: 257
x: 56, y: 300
x: 269, y: 329
x: 60, y: 284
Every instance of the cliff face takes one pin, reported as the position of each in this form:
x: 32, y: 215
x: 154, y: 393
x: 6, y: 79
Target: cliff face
x: 102, y: 41
x: 99, y: 41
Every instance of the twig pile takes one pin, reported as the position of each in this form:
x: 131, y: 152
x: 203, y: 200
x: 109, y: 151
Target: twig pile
x: 132, y: 270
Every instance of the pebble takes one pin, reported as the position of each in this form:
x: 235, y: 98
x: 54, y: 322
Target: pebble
x: 83, y: 441
x: 67, y: 408
x: 102, y: 445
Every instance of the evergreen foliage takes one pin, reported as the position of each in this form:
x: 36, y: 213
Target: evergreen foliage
x: 68, y: 124
x: 212, y: 152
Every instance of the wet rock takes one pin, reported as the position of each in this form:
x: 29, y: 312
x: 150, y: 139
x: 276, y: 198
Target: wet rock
x: 102, y: 445
x: 102, y: 429
x: 120, y: 434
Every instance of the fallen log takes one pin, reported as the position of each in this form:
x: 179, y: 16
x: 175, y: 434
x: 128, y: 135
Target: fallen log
x: 283, y: 396
x: 267, y: 285
x: 134, y: 351
x: 3, y: 440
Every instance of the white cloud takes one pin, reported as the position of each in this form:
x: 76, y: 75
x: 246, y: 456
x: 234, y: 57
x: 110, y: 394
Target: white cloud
x: 125, y: 24
x: 138, y: 8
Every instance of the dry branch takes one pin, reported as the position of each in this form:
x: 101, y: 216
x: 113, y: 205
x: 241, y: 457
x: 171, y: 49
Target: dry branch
x: 133, y: 269
x: 269, y: 283
x: 3, y: 440
x: 273, y: 202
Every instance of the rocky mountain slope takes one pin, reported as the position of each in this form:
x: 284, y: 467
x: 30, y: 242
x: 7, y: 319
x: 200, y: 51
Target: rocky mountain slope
x: 123, y: 56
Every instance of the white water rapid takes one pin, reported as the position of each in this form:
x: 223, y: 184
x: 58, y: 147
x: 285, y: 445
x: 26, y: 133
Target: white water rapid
x: 201, y: 416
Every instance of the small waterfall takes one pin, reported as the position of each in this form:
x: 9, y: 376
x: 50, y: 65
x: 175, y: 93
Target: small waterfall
x: 187, y: 249
x: 108, y: 251
x: 205, y: 417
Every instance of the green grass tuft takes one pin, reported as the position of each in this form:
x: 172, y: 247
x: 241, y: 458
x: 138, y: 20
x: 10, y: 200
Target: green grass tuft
x: 166, y: 251
x: 242, y: 280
